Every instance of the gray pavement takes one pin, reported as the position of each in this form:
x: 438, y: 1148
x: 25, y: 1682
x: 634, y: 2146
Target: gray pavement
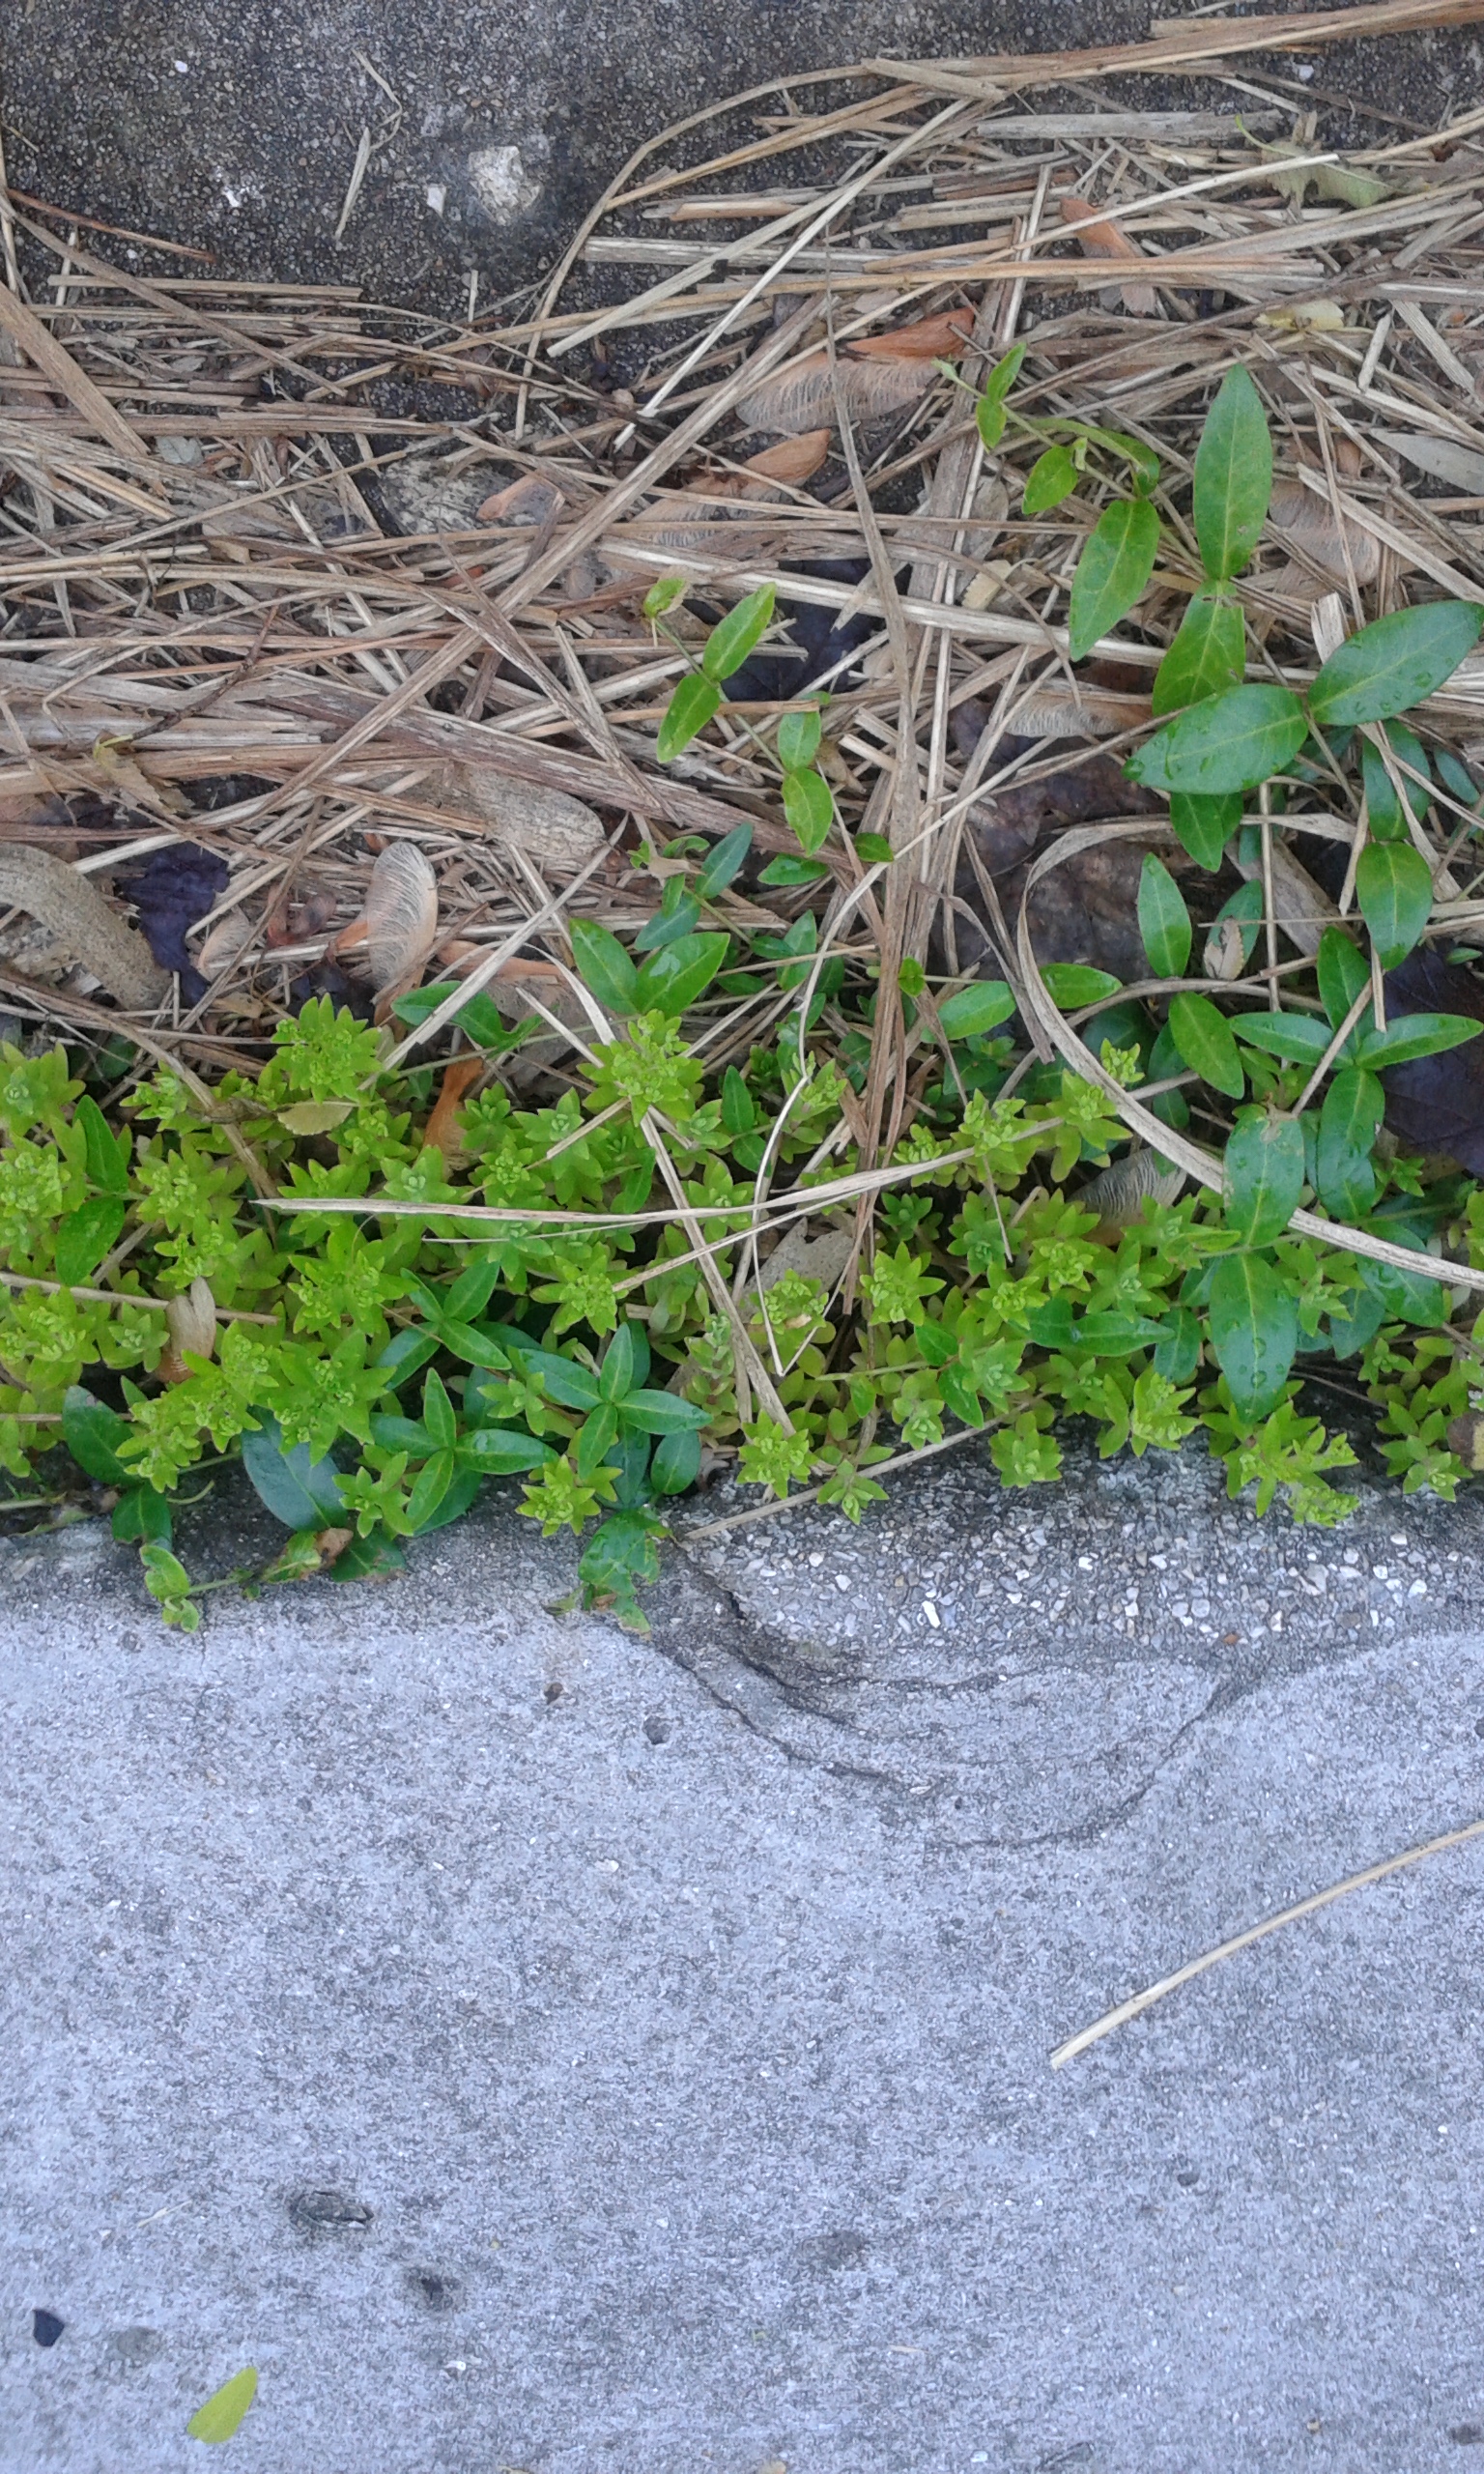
x: 669, y: 2021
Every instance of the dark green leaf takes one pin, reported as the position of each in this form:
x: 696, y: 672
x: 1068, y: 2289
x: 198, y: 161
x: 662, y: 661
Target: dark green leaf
x: 474, y: 1342
x: 301, y: 1493
x: 93, y: 1432
x: 691, y: 706
x: 1117, y: 561
x: 499, y: 1452
x: 1254, y: 1331
x: 367, y: 1559
x: 1343, y: 972
x: 1297, y: 1038
x: 1233, y: 478
x: 1394, y: 889
x: 1053, y: 478
x: 1204, y: 1039
x: 1207, y: 657
x: 676, y: 1462
x: 454, y: 1503
x: 593, y: 1437
x: 875, y: 849
x: 1263, y: 1175
x: 793, y: 872
x: 798, y: 740
x: 725, y: 859
x: 142, y: 1516
x: 678, y: 915
x: 676, y: 975
x: 625, y: 1361
x: 1384, y: 812
x: 809, y: 806
x: 1206, y: 825
x: 1178, y: 1353
x: 659, y: 1413
x: 428, y: 1492
x: 470, y: 1293
x: 740, y: 632
x: 480, y: 1019
x: 1348, y: 1123
x: 220, y: 2416
x: 621, y: 1552
x: 392, y: 1433
x: 1416, y: 1035
x: 1114, y: 1334
x: 1164, y: 921
x: 1396, y: 662
x: 84, y: 1237
x: 1072, y: 984
x: 603, y: 966
x: 1227, y: 743
x: 103, y: 1156
x: 437, y: 1413
x: 560, y: 1378
x: 739, y: 1110
x: 972, y: 1011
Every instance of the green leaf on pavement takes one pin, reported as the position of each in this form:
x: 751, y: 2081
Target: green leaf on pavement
x: 220, y: 2416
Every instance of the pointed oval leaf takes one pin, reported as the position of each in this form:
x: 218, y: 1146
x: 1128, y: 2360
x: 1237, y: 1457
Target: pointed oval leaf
x: 970, y: 1012
x: 625, y: 1361
x: 1113, y: 570
x: 676, y: 975
x: 1297, y: 1038
x: 1203, y: 1038
x: 1416, y: 1035
x: 740, y: 632
x: 437, y: 1413
x: 1263, y: 1175
x: 84, y: 1237
x: 1053, y: 478
x: 220, y: 2416
x: 1384, y: 812
x: 1396, y: 662
x: 678, y: 915
x: 1072, y: 984
x: 142, y: 1514
x: 560, y: 1378
x: 691, y: 706
x: 93, y: 1432
x: 103, y: 1155
x: 1233, y: 478
x: 499, y: 1452
x: 659, y: 1413
x: 1229, y: 742
x: 603, y: 966
x: 300, y: 1492
x: 798, y: 740
x: 1001, y: 377
x: 1164, y: 921
x: 431, y: 1486
x: 454, y: 1502
x: 1348, y: 1123
x: 1394, y: 889
x: 1253, y: 1321
x: 1343, y: 972
x: 808, y: 804
x: 1206, y: 825
x: 676, y: 1462
x: 1207, y: 657
x: 724, y: 862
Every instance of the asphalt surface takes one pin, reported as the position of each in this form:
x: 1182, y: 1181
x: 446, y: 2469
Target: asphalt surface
x: 538, y: 2048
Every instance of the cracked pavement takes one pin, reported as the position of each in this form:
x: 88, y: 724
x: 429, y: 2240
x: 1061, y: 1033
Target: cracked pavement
x: 539, y: 2048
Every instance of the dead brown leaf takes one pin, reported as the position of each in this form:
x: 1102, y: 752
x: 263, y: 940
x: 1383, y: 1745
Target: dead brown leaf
x: 1101, y: 240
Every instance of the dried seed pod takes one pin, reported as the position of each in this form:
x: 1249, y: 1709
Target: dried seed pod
x: 528, y: 501
x: 805, y: 397
x: 555, y: 830
x: 1101, y: 240
x: 224, y: 943
x: 193, y: 1323
x: 70, y: 906
x: 401, y: 914
x: 1118, y: 1193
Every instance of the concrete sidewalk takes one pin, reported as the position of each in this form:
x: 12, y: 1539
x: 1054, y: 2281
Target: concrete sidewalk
x: 539, y: 2049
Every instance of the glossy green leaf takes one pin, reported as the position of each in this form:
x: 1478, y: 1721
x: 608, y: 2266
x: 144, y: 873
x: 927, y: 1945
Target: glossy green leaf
x: 678, y: 915
x: 1206, y: 825
x: 1297, y: 1038
x: 1386, y: 815
x: 740, y: 633
x: 659, y: 1413
x: 785, y: 870
x: 739, y: 1110
x: 1053, y: 478
x: 103, y: 1153
x: 220, y: 2416
x: 300, y: 1492
x: 499, y: 1452
x: 1074, y: 985
x: 875, y: 849
x: 625, y: 1361
x: 972, y: 1011
x: 1348, y: 1123
x: 429, y: 1488
x: 1254, y: 1331
x: 1203, y: 1036
x: 798, y: 740
x: 480, y: 1019
x: 1233, y: 478
x: 726, y: 857
x: 437, y: 1413
x: 142, y: 1516
x: 1164, y: 921
x: 695, y: 699
x: 808, y: 805
x: 593, y: 1438
x: 990, y: 408
x: 452, y: 1504
x: 1414, y: 1035
x: 1207, y: 657
x: 1263, y: 1175
x: 560, y: 1378
x: 1343, y: 972
x: 1177, y: 1356
x: 1117, y: 561
x: 1229, y: 742
x: 393, y: 1433
x: 93, y: 1432
x: 1394, y: 889
x: 676, y: 1462
x: 1394, y: 662
x: 603, y: 966
x: 677, y: 974
x: 83, y: 1238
